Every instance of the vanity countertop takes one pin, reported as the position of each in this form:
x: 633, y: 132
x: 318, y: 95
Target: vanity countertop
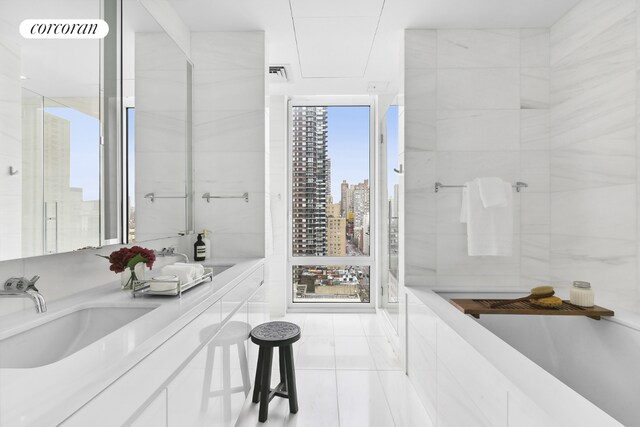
x: 32, y: 395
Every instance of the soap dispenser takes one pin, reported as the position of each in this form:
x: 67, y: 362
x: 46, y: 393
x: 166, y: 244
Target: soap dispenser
x: 207, y: 243
x: 199, y: 249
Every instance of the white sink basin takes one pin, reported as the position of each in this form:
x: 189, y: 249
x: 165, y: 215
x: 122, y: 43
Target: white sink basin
x: 62, y: 336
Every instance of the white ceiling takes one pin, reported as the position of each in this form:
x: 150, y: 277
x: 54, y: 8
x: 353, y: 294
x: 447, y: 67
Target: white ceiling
x: 331, y: 47
x: 335, y: 47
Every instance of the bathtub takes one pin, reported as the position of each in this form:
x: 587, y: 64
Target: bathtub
x: 520, y: 371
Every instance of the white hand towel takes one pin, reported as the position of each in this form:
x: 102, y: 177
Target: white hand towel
x: 492, y: 192
x: 186, y: 273
x: 199, y: 267
x: 489, y: 230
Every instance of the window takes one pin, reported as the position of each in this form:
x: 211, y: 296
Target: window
x: 330, y: 199
x: 131, y: 175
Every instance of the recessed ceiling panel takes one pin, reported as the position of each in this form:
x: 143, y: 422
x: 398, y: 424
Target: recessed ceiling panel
x: 334, y: 47
x: 326, y: 8
x: 276, y: 17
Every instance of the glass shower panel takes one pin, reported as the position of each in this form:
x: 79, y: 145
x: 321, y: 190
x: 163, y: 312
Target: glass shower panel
x: 390, y: 301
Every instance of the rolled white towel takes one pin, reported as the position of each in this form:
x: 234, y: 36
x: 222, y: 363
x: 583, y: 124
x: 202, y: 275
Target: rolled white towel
x: 186, y: 273
x: 199, y: 267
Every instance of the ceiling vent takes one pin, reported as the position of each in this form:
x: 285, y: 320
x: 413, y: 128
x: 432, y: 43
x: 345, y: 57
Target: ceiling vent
x: 278, y: 74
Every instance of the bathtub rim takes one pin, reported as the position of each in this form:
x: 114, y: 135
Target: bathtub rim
x: 548, y: 393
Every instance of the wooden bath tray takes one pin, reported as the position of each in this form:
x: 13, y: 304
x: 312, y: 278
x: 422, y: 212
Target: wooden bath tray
x: 476, y: 307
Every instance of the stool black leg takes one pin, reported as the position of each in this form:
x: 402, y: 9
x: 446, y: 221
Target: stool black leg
x: 291, y: 378
x: 283, y: 372
x: 257, y: 382
x: 265, y: 384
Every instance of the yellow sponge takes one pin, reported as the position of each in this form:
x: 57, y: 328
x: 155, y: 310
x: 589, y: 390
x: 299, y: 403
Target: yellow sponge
x: 543, y: 289
x: 549, y: 302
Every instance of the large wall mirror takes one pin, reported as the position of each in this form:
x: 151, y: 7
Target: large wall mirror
x: 157, y: 128
x: 49, y: 134
x: 74, y: 172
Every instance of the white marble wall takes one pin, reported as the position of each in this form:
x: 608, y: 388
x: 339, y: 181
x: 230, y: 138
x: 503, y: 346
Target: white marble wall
x: 10, y: 152
x: 476, y: 104
x: 594, y: 168
x: 275, y: 269
x: 230, y: 134
x: 160, y: 135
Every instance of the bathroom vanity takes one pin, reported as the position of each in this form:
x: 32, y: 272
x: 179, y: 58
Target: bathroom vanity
x: 149, y: 370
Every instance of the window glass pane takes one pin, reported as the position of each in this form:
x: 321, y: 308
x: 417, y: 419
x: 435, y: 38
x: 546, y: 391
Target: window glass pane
x: 330, y: 283
x: 131, y: 175
x: 330, y: 180
x: 392, y: 190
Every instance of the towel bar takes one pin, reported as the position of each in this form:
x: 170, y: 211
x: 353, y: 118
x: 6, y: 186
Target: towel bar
x: 208, y: 197
x: 153, y: 196
x: 518, y: 186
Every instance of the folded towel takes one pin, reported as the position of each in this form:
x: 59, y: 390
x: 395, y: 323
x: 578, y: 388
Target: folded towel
x: 489, y: 230
x: 492, y: 192
x: 186, y: 273
x: 199, y: 267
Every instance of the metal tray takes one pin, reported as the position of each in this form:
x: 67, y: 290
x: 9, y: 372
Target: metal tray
x: 143, y: 287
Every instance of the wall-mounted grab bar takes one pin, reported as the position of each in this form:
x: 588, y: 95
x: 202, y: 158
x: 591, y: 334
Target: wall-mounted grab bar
x: 518, y: 185
x: 152, y: 197
x: 208, y: 197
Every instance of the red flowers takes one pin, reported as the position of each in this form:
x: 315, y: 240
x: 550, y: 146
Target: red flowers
x: 129, y: 257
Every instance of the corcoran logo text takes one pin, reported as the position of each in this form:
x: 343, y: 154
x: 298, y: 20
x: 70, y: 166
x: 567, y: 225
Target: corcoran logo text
x: 64, y: 28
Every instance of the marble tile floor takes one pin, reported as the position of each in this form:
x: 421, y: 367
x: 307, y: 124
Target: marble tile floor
x: 347, y: 375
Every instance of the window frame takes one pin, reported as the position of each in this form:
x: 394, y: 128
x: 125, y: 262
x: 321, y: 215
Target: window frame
x: 364, y: 260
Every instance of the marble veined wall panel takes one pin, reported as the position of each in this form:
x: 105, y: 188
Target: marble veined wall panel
x: 593, y: 140
x: 160, y: 134
x: 230, y: 134
x: 477, y: 105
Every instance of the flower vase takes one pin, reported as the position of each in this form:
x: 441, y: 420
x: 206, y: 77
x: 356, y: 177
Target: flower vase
x: 128, y: 276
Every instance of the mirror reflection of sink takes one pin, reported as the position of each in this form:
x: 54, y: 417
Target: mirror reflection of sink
x: 62, y: 336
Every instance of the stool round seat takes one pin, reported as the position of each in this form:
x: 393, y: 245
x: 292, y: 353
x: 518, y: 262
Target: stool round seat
x: 275, y: 334
x: 233, y: 332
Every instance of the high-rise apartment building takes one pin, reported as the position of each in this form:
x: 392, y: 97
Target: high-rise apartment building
x: 360, y: 202
x: 344, y: 198
x: 336, y: 231
x: 310, y: 181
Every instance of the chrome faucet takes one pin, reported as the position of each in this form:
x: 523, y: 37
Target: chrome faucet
x: 23, y: 287
x: 171, y: 251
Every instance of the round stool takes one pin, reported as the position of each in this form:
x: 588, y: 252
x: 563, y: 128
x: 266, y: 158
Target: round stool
x: 267, y: 336
x: 233, y: 333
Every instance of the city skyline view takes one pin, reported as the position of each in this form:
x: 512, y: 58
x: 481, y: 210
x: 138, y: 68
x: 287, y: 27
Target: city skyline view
x: 348, y: 133
x: 330, y: 200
